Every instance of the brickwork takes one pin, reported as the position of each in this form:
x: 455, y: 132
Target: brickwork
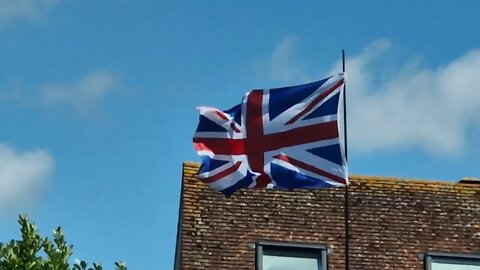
x: 393, y: 221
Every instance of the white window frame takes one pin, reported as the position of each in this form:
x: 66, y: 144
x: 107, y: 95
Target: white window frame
x: 431, y: 256
x: 292, y: 249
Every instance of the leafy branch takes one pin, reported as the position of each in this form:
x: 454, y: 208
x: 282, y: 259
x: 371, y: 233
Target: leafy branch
x: 33, y: 252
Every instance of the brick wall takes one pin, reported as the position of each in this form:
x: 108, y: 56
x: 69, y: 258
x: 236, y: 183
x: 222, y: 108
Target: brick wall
x: 392, y: 222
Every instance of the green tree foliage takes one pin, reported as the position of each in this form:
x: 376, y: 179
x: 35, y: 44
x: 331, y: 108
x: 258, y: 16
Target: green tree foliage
x: 33, y: 252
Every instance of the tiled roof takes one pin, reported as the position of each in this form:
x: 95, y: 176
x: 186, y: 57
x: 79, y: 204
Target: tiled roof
x: 392, y: 221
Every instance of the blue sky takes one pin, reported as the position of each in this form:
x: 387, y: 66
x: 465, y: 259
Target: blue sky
x: 98, y: 98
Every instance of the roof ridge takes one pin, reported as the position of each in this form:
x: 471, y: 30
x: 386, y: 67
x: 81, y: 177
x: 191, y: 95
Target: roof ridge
x: 359, y: 177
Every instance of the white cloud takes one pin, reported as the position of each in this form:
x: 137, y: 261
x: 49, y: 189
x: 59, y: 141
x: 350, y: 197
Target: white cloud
x: 416, y: 107
x: 23, y: 176
x: 23, y: 9
x: 82, y: 95
x: 282, y: 65
x: 403, y: 105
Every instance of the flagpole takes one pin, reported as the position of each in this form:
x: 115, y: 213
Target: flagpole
x: 346, y: 206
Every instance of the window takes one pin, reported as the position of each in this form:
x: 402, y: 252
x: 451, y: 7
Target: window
x: 290, y: 256
x: 451, y: 261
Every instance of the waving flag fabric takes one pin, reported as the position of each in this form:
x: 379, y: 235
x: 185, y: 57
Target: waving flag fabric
x: 278, y: 138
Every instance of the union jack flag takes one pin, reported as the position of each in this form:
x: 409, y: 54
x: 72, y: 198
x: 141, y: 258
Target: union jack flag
x: 279, y: 138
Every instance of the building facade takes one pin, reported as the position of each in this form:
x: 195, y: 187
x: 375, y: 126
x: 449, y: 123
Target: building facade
x: 394, y: 224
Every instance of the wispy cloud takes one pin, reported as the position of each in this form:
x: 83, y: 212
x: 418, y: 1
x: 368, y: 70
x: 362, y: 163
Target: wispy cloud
x: 283, y: 65
x: 23, y: 176
x: 415, y: 107
x: 82, y: 95
x: 409, y: 107
x: 11, y: 10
